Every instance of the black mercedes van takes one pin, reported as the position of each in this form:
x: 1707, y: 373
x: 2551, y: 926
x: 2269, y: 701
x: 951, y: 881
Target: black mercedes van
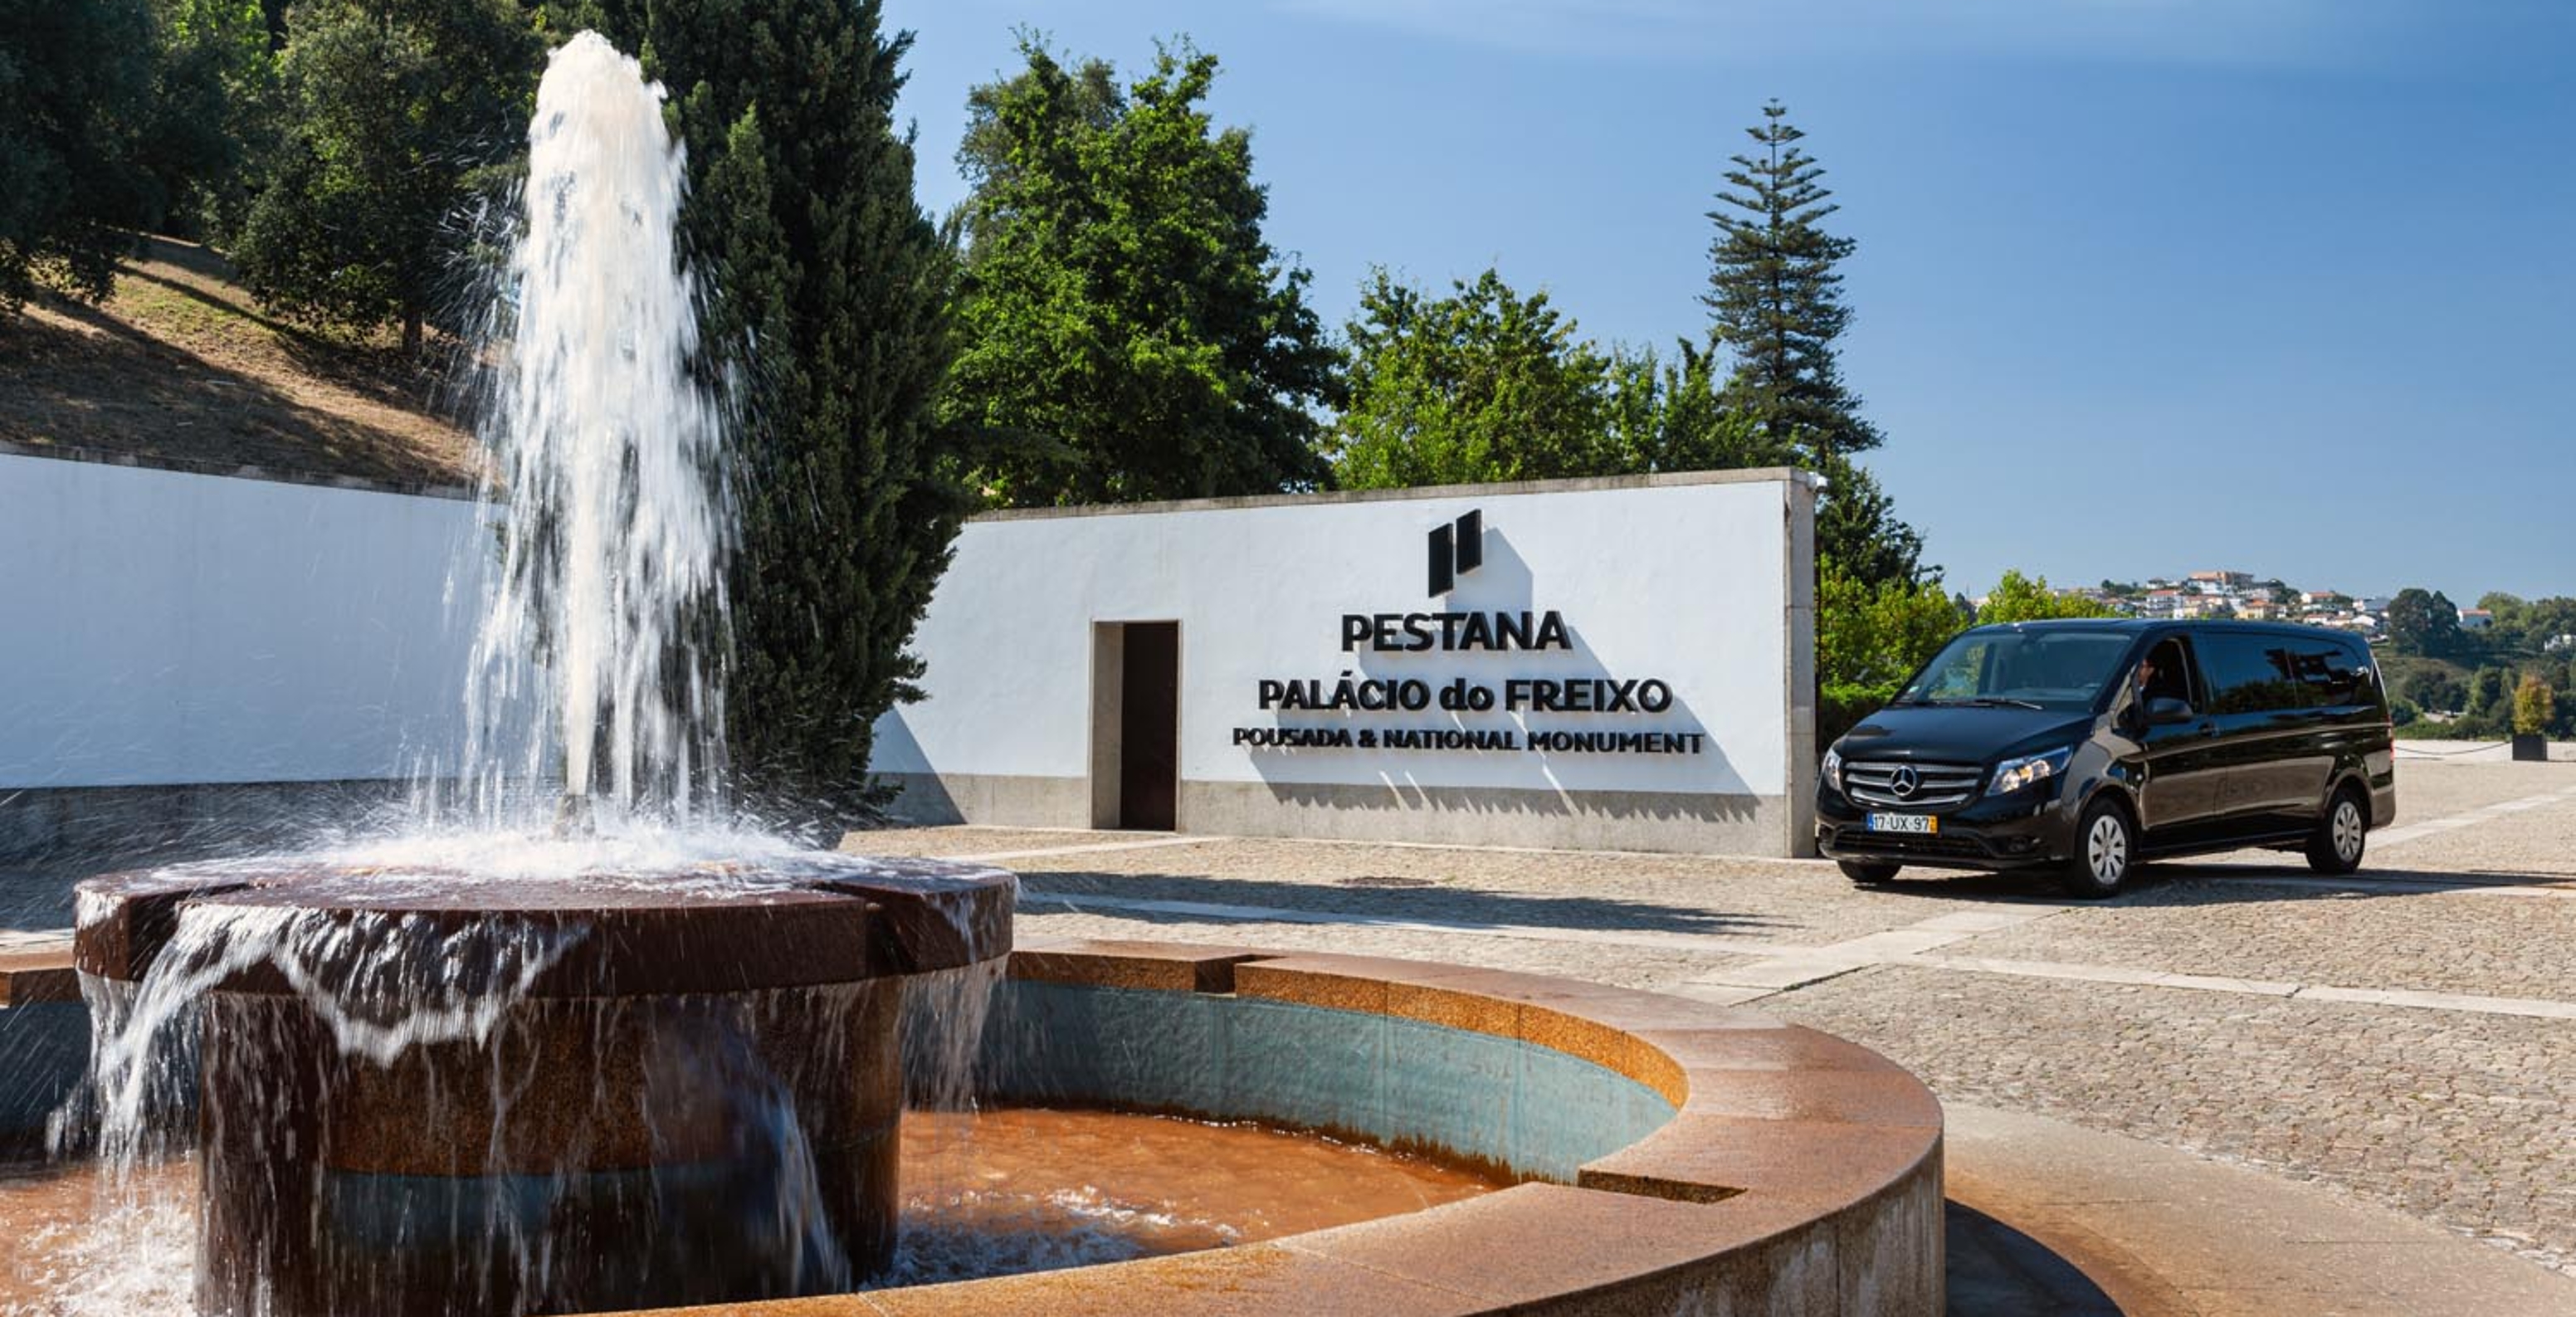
x: 2085, y: 747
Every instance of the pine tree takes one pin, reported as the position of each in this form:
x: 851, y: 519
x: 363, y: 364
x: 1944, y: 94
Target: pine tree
x: 1775, y: 296
x: 826, y: 308
x: 1775, y: 302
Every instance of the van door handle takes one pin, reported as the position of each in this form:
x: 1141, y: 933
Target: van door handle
x: 2205, y: 729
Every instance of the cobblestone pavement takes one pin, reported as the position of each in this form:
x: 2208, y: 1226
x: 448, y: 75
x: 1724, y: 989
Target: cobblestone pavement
x: 2407, y: 1036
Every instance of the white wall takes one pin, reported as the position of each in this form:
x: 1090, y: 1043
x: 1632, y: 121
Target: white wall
x: 1684, y: 582
x: 163, y: 627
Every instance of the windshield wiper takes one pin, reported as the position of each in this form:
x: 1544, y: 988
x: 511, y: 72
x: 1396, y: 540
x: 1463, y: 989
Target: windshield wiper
x: 1991, y: 700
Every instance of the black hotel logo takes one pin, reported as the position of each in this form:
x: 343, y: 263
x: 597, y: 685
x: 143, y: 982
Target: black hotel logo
x: 1457, y: 549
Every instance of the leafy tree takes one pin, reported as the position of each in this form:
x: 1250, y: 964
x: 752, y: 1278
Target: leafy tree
x: 1671, y: 415
x: 214, y: 93
x: 74, y: 75
x: 1128, y: 332
x: 1481, y: 385
x: 395, y: 112
x: 2535, y: 706
x: 1486, y: 384
x: 2019, y: 598
x: 2424, y: 623
x: 1775, y: 302
x: 827, y: 307
x: 1856, y: 524
x: 1869, y: 638
x: 2432, y: 688
x: 2491, y: 695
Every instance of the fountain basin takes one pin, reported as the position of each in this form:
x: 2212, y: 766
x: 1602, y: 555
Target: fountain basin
x: 1672, y: 1155
x: 430, y: 1093
x: 1675, y: 1156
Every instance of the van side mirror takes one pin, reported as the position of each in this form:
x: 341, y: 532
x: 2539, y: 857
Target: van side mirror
x: 2166, y: 711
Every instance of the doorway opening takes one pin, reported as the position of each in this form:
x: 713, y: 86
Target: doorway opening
x: 1136, y: 726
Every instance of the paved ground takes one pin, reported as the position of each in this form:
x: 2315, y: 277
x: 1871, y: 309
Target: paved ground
x: 2404, y: 1038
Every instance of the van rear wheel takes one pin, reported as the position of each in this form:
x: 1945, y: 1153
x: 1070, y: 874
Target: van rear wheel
x: 2341, y: 835
x: 2105, y: 846
x: 1868, y: 873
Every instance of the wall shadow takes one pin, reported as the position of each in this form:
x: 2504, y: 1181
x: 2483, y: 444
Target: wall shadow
x: 1467, y: 906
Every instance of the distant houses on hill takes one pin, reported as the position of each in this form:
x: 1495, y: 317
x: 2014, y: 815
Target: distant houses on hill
x: 2242, y: 595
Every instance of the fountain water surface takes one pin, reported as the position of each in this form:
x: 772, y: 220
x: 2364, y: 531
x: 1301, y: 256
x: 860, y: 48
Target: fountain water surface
x: 537, y: 1057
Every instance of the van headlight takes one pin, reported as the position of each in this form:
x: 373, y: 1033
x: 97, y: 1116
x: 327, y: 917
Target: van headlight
x: 1834, y: 767
x: 2014, y: 774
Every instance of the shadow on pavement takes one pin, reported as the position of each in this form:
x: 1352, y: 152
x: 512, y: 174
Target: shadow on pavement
x: 1448, y: 905
x: 1996, y: 1270
x: 2222, y: 883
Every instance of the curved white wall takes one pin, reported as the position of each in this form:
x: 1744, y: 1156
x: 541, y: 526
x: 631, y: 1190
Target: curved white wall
x: 164, y: 627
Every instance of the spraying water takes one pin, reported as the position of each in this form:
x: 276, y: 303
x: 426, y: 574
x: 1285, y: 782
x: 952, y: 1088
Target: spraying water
x: 610, y: 496
x: 607, y: 1051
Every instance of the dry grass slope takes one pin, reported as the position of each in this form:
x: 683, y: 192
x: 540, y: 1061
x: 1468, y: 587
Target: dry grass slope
x: 181, y: 368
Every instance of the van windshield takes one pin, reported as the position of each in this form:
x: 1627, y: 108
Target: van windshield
x: 2028, y: 669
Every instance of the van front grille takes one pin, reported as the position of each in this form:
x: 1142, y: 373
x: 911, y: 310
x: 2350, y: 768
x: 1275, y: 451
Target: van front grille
x: 1878, y: 782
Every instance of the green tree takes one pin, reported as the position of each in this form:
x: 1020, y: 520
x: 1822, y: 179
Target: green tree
x: 1869, y: 638
x: 1856, y: 524
x: 1776, y: 304
x: 214, y: 94
x: 2491, y: 695
x: 1127, y: 330
x: 1775, y: 295
x: 2423, y: 622
x: 2535, y: 706
x: 1481, y: 385
x: 1672, y: 415
x: 2019, y: 598
x: 394, y: 113
x: 74, y: 77
x: 1486, y: 384
x: 827, y: 310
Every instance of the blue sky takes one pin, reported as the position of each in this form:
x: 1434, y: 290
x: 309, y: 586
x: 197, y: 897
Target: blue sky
x: 2143, y: 285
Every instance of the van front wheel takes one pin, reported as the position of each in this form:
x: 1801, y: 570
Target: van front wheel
x: 2105, y: 846
x: 2337, y: 844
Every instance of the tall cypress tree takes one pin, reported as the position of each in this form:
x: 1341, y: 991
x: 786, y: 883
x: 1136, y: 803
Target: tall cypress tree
x: 1775, y: 300
x: 827, y: 296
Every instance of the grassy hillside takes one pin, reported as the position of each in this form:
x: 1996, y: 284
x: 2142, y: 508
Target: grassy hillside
x: 180, y: 367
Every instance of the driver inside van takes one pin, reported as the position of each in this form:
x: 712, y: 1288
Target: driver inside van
x: 2159, y: 677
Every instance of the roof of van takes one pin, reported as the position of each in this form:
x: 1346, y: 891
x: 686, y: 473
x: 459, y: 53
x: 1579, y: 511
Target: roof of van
x: 2135, y: 625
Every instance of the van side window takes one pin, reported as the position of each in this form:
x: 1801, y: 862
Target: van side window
x: 2328, y: 674
x: 2250, y: 672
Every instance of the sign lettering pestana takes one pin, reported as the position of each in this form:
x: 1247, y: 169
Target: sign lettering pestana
x: 1457, y: 548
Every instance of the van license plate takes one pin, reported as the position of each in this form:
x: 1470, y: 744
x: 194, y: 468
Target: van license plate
x: 1923, y: 823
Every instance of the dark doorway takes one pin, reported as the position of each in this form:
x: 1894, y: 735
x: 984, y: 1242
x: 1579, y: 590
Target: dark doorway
x: 1149, y: 716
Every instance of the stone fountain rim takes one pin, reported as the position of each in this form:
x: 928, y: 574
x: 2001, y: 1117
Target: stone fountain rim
x: 801, y: 922
x: 1800, y: 1173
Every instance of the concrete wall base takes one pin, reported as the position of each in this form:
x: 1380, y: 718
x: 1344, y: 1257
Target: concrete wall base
x: 1670, y: 822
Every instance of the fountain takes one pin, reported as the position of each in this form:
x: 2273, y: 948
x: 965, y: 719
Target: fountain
x: 591, y: 1049
x: 515, y: 1064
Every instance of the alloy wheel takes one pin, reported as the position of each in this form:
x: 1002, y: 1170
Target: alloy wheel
x: 2347, y: 830
x: 2106, y: 849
